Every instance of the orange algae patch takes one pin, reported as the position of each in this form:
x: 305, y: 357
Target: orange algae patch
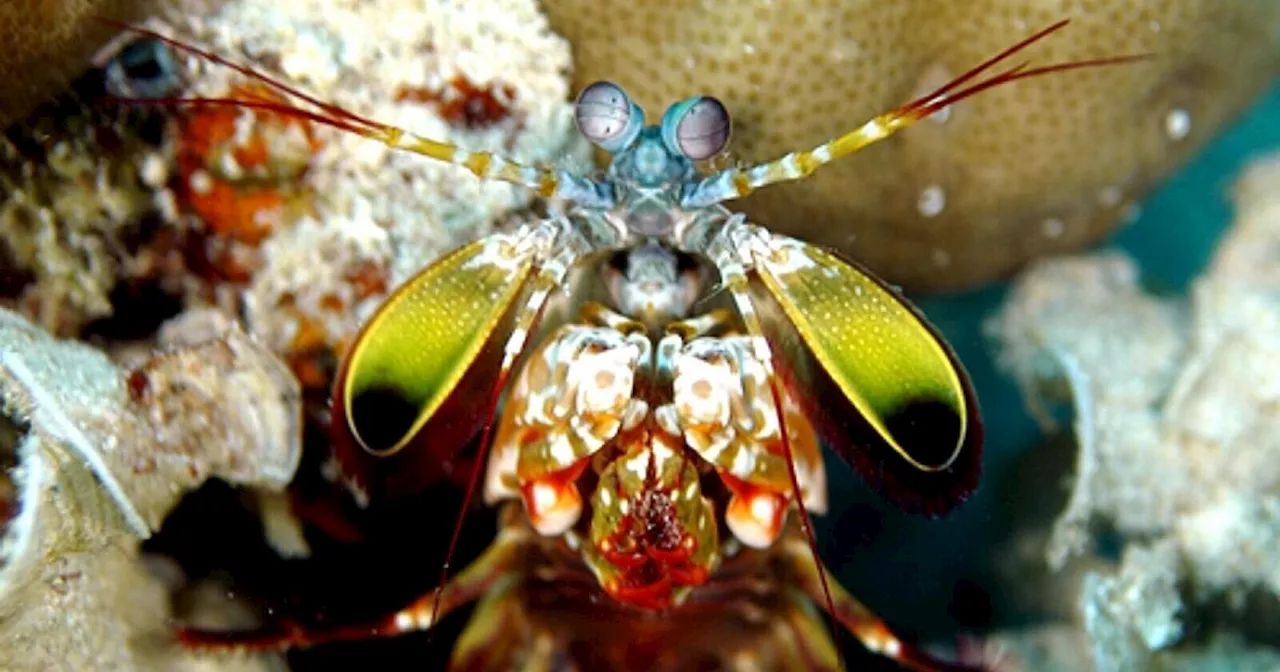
x: 369, y: 280
x: 239, y: 167
x: 313, y: 351
x: 462, y: 103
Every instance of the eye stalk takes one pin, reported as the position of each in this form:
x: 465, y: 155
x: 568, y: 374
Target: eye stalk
x: 696, y: 128
x: 607, y: 116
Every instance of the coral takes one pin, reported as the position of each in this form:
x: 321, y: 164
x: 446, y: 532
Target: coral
x: 68, y: 214
x: 1063, y: 648
x: 1042, y: 167
x: 1141, y: 603
x: 237, y: 167
x: 49, y: 42
x: 299, y: 229
x: 1175, y: 415
x: 96, y: 456
x: 364, y: 218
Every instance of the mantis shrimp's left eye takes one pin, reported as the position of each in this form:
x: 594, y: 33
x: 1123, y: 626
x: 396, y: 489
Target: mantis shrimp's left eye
x: 607, y: 117
x: 697, y: 128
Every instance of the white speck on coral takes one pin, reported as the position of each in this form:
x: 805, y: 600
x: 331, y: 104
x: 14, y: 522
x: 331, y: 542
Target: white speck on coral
x: 932, y: 201
x: 167, y: 203
x: 1110, y: 196
x: 1177, y: 124
x: 1054, y: 227
x: 154, y: 170
x: 228, y: 166
x: 941, y: 258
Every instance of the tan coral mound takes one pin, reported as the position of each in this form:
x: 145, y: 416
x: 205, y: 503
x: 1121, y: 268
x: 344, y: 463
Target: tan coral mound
x: 48, y: 42
x: 1040, y: 167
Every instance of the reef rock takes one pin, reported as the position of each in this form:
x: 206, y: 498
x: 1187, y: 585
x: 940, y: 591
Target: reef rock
x: 94, y: 455
x: 1175, y: 411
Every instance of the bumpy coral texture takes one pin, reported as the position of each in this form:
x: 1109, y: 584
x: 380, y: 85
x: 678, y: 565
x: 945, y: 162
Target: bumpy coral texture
x: 479, y: 75
x: 48, y: 42
x: 1036, y: 168
x: 1175, y: 413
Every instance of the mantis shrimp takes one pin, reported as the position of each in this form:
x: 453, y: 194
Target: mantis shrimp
x: 656, y: 458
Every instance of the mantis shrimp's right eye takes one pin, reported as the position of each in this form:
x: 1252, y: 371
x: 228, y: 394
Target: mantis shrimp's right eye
x: 702, y: 128
x: 607, y: 117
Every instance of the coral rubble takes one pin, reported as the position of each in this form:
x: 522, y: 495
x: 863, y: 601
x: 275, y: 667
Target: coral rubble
x: 1039, y: 168
x: 96, y: 456
x: 1176, y: 416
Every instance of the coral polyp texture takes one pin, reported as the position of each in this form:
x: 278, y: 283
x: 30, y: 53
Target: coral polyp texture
x: 1041, y: 167
x: 1175, y: 415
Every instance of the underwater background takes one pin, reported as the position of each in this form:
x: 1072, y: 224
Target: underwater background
x: 178, y: 287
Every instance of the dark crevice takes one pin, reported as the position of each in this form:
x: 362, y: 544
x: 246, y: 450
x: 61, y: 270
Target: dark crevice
x: 12, y: 432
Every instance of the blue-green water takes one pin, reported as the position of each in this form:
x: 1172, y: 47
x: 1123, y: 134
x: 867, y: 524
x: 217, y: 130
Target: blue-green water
x: 865, y: 539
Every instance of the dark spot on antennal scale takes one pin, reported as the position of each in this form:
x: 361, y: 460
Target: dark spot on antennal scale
x: 462, y: 103
x: 927, y: 429
x: 382, y: 416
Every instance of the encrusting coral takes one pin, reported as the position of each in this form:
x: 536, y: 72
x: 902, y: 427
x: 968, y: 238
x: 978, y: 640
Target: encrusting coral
x: 72, y: 219
x: 1175, y: 405
x: 1042, y: 167
x: 96, y: 455
x: 297, y: 228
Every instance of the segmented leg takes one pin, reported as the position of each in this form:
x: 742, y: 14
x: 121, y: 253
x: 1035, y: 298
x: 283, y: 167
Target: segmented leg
x: 872, y: 632
x: 476, y: 580
x: 551, y: 274
x: 731, y: 250
x: 809, y: 644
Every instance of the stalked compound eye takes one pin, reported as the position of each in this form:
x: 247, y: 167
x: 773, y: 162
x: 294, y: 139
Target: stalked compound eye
x: 607, y: 117
x: 697, y: 128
